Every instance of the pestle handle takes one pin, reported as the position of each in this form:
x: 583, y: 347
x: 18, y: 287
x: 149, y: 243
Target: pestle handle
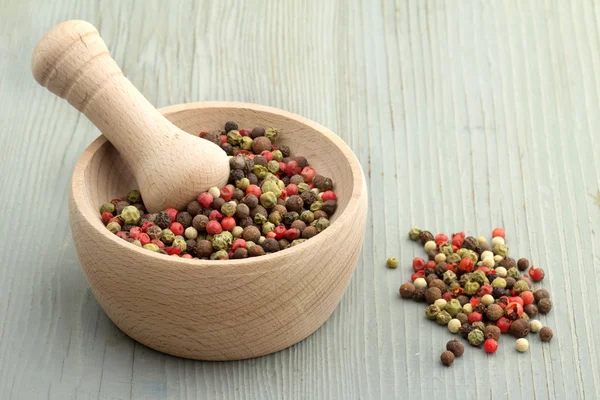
x: 170, y: 166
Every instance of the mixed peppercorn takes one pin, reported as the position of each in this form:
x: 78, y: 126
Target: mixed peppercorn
x: 273, y: 201
x: 475, y: 289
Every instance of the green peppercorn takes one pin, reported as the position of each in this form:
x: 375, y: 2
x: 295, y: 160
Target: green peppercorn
x: 521, y: 286
x: 499, y: 283
x: 321, y: 224
x: 392, y: 263
x: 181, y: 243
x: 449, y: 277
x: 513, y: 273
x: 414, y: 233
x: 307, y: 217
x: 114, y: 227
x: 476, y: 337
x: 246, y: 143
x: 151, y: 247
x: 453, y: 258
x: 272, y: 134
x: 229, y: 208
x: 268, y: 200
x: 316, y: 205
x: 500, y: 249
x: 260, y: 171
x: 130, y: 215
x: 167, y: 236
x: 242, y: 183
x: 471, y: 288
x: 453, y: 307
x: 446, y: 249
x: 443, y: 317
x: 297, y: 242
x: 234, y: 137
x: 432, y: 311
x: 107, y: 207
x: 219, y: 255
x: 479, y: 277
x: 271, y: 187
x: 134, y: 196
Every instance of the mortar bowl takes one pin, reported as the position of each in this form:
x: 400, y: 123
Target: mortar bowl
x: 231, y: 309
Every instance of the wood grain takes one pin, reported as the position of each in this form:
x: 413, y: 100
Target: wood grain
x: 464, y: 115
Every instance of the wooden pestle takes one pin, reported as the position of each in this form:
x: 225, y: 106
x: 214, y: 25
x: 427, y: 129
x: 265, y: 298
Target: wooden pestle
x: 171, y: 166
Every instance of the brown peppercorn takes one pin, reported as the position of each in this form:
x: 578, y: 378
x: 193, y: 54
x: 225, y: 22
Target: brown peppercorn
x: 462, y: 317
x: 252, y: 178
x: 406, y: 290
x: 256, y: 251
x: 419, y: 294
x: 544, y: 306
x: 297, y: 179
x: 508, y: 263
x: 510, y: 282
x: 120, y: 206
x: 541, y: 294
x: 261, y: 144
x: 218, y: 203
x: 462, y: 299
x: 440, y: 268
x: 519, y: 328
x: 465, y: 329
x: 431, y: 254
x: 258, y: 210
x: 309, y: 232
x: 163, y: 220
x: 308, y: 196
x: 456, y: 347
x: 231, y: 126
x: 471, y: 243
x: 238, y: 194
x: 523, y: 264
x: 432, y: 294
x: 546, y: 334
x: 250, y: 200
x: 251, y: 234
x: 191, y: 246
x: 429, y: 277
x: 484, y: 247
x: 214, y: 137
x: 199, y: 222
x: 245, y: 222
x: 531, y: 310
x: 294, y: 203
x: 320, y: 214
x: 184, y: 218
x: 280, y: 209
x: 329, y: 207
x: 322, y: 183
x: 480, y: 308
x: 283, y: 243
x: 270, y: 246
x: 425, y: 237
x: 492, y: 332
x: 438, y: 283
x: 227, y: 148
x: 242, y: 211
x: 302, y: 162
x: 447, y: 358
x: 494, y: 312
x: 285, y: 150
x: 203, y: 248
x: 194, y: 208
x: 298, y: 224
x: 240, y: 252
x: 260, y: 160
x: 257, y: 132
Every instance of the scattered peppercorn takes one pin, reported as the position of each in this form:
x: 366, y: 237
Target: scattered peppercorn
x: 447, y: 358
x: 546, y: 334
x: 544, y: 306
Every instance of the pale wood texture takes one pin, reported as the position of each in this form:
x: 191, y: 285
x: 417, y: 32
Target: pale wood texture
x: 464, y: 115
x: 221, y: 310
x: 171, y: 168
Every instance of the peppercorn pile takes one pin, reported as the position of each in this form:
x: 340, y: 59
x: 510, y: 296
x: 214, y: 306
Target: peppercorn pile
x: 476, y: 290
x: 273, y: 201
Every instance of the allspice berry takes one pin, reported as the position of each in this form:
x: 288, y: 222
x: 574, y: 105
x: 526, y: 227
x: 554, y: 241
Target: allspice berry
x: 261, y: 144
x: 309, y: 232
x: 523, y: 264
x: 406, y: 289
x: 519, y: 328
x: 438, y: 283
x: 270, y: 245
x: 492, y: 332
x: 419, y: 294
x: 544, y: 306
x: 203, y: 248
x: 256, y: 251
x: 531, y: 310
x: 541, y: 294
x: 425, y: 237
x: 251, y: 234
x: 432, y: 294
x: 240, y: 252
x: 456, y: 347
x: 546, y: 334
x: 494, y: 312
x: 447, y: 358
x: 510, y: 282
x: 185, y: 219
x: 463, y: 318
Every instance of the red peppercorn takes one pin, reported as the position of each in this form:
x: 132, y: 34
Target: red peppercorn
x: 267, y: 155
x: 329, y: 195
x: 290, y: 167
x: 228, y: 223
x: 159, y: 243
x: 513, y: 311
x: 490, y: 346
x: 123, y: 235
x: 243, y: 152
x: 284, y: 194
x: 226, y: 193
x: 213, y: 227
x: 237, y: 243
x: 457, y: 242
x: 173, y: 250
x: 223, y: 139
x: 172, y: 213
x: 143, y: 238
x: 474, y: 301
x: 244, y: 132
x: 270, y: 235
x: 503, y: 302
x: 176, y: 228
x: 516, y: 299
x: 527, y: 297
x: 205, y: 199
x: 485, y: 289
x: 474, y: 317
x: 229, y: 254
x: 202, y: 134
x: 457, y: 291
x: 485, y: 270
x: 498, y: 232
x: 281, y: 166
x: 106, y: 216
x: 215, y: 215
x: 440, y: 239
x: 419, y: 274
x: 430, y: 265
x: 418, y: 264
x: 188, y: 256
x: 448, y: 296
x: 135, y: 232
x: 291, y: 189
x: 455, y: 248
x: 504, y: 324
x: 308, y: 173
x: 536, y: 274
x: 146, y: 225
x: 115, y: 219
x: 466, y: 265
x: 292, y: 234
x: 279, y: 232
x: 451, y: 267
x: 253, y: 189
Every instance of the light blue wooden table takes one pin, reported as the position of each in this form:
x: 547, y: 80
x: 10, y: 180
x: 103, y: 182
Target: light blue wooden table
x: 465, y: 115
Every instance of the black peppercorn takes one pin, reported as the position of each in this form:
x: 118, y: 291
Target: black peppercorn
x: 237, y: 162
x: 471, y: 243
x: 297, y: 179
x: 242, y: 211
x: 308, y: 196
x: 440, y: 268
x: 257, y: 132
x: 227, y: 148
x: 252, y: 178
x: 245, y: 222
x: 285, y: 150
x: 270, y: 245
x: 294, y: 203
x: 465, y: 329
x: 236, y: 175
x: 508, y: 263
x: 238, y: 194
x: 199, y: 222
x: 419, y: 294
x: 510, y: 282
x: 260, y: 160
x: 298, y: 224
x: 491, y: 277
x: 206, y: 211
x: 251, y: 234
x: 127, y: 227
x: 425, y: 237
x: 231, y: 126
x: 258, y: 210
x: 283, y: 243
x: 320, y: 214
x: 302, y: 162
x: 484, y: 247
x: 431, y: 254
x: 329, y: 207
x: 322, y: 183
x: 430, y: 271
x: 163, y: 220
x: 194, y: 208
x: 218, y: 203
x: 522, y: 264
x: 462, y: 299
x: 184, y: 218
x: 480, y: 308
x: 429, y: 277
x: 462, y: 317
x: 250, y: 200
x: 191, y: 246
x: 290, y: 217
x: 498, y: 292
